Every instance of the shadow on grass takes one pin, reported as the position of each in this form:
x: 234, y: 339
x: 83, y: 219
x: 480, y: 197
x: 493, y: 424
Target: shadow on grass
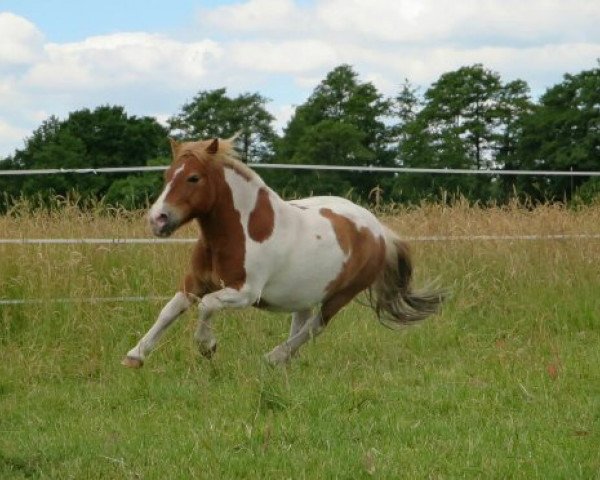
x: 13, y: 466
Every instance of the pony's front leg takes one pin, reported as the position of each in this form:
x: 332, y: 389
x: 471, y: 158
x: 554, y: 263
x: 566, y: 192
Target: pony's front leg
x: 175, y: 307
x: 210, y: 303
x: 207, y: 343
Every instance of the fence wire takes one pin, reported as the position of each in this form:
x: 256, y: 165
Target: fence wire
x: 288, y: 166
x: 155, y: 241
x: 427, y: 238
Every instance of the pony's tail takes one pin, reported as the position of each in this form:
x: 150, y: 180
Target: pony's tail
x: 392, y: 296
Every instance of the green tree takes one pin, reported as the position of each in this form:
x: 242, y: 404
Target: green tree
x: 341, y: 123
x: 333, y: 143
x: 562, y: 133
x: 104, y: 137
x: 404, y: 109
x: 213, y: 113
x: 414, y: 146
x: 514, y: 103
x: 460, y: 109
x: 136, y: 190
x: 469, y: 120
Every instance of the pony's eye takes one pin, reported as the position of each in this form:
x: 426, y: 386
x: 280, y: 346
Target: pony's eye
x: 193, y: 178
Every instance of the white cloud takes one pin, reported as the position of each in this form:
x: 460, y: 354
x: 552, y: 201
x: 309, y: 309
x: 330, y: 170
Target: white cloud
x: 381, y: 20
x: 283, y: 57
x: 11, y: 136
x: 538, y: 21
x: 282, y: 114
x: 121, y: 59
x: 147, y: 73
x: 283, y: 48
x: 415, y: 39
x: 420, y: 22
x: 20, y: 41
x: 255, y: 16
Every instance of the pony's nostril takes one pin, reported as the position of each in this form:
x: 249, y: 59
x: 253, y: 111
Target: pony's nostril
x: 161, y: 219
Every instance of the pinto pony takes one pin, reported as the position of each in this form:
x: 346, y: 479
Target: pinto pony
x: 309, y: 257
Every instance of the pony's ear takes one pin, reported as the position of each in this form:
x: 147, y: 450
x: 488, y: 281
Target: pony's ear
x: 213, y: 147
x: 174, y: 147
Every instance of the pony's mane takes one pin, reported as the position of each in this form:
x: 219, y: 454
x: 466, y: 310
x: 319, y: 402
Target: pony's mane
x: 226, y: 154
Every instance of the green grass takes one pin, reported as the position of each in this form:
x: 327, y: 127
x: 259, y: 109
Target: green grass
x: 504, y: 383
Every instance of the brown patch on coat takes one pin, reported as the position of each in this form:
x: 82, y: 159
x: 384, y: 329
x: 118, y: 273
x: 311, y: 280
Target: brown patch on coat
x: 365, y: 259
x: 201, y: 279
x: 223, y: 233
x: 262, y: 218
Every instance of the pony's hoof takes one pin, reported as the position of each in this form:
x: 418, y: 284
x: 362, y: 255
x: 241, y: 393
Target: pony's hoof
x: 279, y: 355
x: 132, y: 362
x: 207, y: 351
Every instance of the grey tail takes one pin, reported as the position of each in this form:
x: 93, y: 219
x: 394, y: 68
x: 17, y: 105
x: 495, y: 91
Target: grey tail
x: 392, y: 297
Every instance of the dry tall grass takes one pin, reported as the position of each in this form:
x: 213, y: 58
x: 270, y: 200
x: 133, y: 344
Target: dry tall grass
x: 48, y: 271
x: 462, y: 219
x: 426, y: 220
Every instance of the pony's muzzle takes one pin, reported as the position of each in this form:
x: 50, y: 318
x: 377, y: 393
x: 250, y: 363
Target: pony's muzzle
x: 162, y: 224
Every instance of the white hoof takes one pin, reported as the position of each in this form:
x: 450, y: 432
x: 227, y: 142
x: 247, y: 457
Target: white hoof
x: 279, y: 355
x: 132, y: 362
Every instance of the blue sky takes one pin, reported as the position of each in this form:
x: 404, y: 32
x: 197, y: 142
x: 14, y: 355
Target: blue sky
x: 72, y: 20
x: 151, y: 56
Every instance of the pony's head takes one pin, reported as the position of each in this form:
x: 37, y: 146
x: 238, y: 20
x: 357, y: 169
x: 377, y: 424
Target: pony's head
x: 191, y: 184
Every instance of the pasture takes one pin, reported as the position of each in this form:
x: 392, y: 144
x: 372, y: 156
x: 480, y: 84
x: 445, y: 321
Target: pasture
x: 504, y: 383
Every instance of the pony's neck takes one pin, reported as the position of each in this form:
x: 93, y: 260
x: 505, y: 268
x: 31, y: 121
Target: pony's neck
x: 235, y: 199
x: 243, y: 188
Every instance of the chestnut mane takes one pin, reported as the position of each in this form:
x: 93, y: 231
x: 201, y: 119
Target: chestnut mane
x: 226, y: 154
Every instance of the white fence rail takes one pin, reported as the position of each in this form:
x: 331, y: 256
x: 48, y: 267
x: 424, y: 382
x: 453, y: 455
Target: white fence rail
x: 429, y: 238
x: 287, y: 166
x: 54, y: 301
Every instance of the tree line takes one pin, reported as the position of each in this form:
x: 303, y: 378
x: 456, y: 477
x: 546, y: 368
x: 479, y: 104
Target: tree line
x: 470, y: 118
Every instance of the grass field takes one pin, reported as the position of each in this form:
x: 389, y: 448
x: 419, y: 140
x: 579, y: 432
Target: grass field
x: 504, y: 383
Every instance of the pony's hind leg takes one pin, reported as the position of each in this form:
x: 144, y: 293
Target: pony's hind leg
x: 298, y: 321
x: 284, y: 352
x: 311, y: 328
x: 175, y: 307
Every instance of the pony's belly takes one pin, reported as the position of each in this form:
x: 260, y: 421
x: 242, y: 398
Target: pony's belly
x: 295, y: 289
x: 290, y: 299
